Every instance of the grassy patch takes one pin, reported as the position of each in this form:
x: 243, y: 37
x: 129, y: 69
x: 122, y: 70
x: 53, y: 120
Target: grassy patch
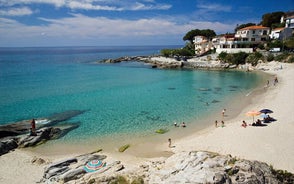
x: 161, y: 131
x: 123, y: 148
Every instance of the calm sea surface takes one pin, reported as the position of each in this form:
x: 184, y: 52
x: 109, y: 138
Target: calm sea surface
x: 124, y: 98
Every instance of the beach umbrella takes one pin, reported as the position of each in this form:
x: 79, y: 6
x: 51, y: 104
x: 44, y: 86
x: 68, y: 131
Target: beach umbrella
x: 253, y: 113
x: 266, y: 111
x: 94, y: 165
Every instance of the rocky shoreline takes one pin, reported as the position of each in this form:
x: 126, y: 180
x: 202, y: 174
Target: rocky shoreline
x: 184, y: 167
x: 173, y: 63
x: 17, y: 135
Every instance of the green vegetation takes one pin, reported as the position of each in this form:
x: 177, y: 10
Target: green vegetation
x: 232, y: 161
x: 161, y: 131
x: 124, y: 180
x: 270, y: 57
x: 254, y: 58
x: 283, y: 175
x: 272, y: 20
x: 243, y: 26
x: 235, y: 58
x: 124, y: 147
x: 208, y: 33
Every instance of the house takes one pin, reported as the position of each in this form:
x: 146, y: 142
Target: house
x: 289, y: 22
x: 202, y: 45
x: 281, y: 33
x: 223, y: 41
x: 226, y: 43
x: 252, y: 35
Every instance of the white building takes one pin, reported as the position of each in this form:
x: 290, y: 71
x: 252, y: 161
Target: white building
x: 281, y: 33
x: 289, y: 22
x: 252, y: 35
x: 202, y: 45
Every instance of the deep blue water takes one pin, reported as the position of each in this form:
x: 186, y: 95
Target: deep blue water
x: 118, y: 98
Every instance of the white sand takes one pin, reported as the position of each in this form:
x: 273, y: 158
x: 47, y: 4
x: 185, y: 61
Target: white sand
x: 273, y: 144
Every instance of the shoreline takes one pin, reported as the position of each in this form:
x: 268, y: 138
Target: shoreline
x: 271, y: 144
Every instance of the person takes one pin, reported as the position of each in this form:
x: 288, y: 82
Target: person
x: 175, y: 124
x: 223, y: 124
x: 215, y: 123
x: 183, y: 125
x: 276, y: 80
x: 258, y: 122
x: 33, y: 127
x: 223, y: 112
x: 169, y: 142
x: 244, y: 124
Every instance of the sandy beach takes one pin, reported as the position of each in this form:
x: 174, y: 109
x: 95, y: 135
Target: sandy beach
x: 273, y: 144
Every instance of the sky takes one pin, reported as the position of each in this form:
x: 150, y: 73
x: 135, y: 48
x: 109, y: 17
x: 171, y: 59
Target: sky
x: 42, y: 23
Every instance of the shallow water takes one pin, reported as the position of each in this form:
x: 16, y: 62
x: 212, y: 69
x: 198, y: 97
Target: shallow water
x: 128, y: 99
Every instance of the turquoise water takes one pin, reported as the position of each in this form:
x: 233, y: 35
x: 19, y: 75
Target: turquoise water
x: 118, y: 98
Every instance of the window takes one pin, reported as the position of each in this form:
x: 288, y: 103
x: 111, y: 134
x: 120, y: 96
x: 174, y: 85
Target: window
x: 253, y: 39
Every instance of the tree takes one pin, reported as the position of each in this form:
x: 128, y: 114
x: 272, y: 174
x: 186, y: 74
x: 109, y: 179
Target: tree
x: 191, y: 34
x: 196, y: 32
x: 271, y: 19
x: 243, y: 26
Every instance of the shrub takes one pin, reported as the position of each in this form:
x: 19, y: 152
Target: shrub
x: 291, y: 59
x: 222, y: 56
x: 239, y: 58
x: 282, y: 57
x: 270, y: 57
x: 253, y: 58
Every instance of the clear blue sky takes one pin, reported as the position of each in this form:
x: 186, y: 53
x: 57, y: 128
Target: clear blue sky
x: 123, y: 22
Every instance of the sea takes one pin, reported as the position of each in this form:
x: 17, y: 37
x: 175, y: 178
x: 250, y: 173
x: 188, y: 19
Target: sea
x: 123, y: 99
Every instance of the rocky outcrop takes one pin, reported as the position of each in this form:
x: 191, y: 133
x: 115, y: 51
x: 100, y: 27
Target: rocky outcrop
x: 206, y: 167
x: 73, y: 169
x: 23, y: 127
x: 197, y: 167
x: 26, y: 140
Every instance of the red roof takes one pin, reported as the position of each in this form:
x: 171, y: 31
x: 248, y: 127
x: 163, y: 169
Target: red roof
x: 253, y: 28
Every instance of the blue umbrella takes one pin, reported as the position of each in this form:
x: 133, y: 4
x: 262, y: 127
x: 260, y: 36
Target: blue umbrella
x: 94, y: 165
x: 266, y: 111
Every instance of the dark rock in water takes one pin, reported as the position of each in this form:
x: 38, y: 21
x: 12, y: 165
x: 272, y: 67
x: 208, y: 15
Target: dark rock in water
x: 63, y: 116
x: 234, y: 86
x: 204, y: 89
x: 23, y: 127
x: 14, y: 128
x: 45, y: 134
x: 215, y: 101
x: 42, y: 135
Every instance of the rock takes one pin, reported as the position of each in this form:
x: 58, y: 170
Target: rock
x: 7, y: 145
x: 38, y: 161
x: 61, y: 163
x: 206, y: 167
x: 72, y: 174
x: 23, y: 127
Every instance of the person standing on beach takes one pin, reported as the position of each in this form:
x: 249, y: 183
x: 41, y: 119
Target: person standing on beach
x: 215, y: 123
x: 169, y: 142
x: 223, y: 112
x: 223, y: 124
